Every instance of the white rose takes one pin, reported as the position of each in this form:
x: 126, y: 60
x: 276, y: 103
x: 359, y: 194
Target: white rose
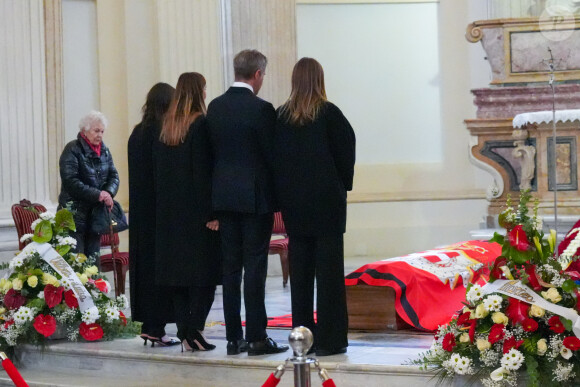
x: 542, y: 347
x: 552, y: 295
x: 17, y: 284
x: 500, y: 318
x: 464, y: 338
x: 536, y: 311
x: 480, y: 311
x: 483, y: 344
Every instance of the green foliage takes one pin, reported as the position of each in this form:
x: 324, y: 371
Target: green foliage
x: 63, y: 220
x: 43, y: 232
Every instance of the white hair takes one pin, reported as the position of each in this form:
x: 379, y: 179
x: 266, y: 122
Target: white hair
x: 93, y: 117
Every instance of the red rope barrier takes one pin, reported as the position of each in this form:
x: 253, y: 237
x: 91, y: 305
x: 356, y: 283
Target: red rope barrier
x: 275, y: 377
x: 272, y: 381
x: 12, y: 371
x: 328, y: 383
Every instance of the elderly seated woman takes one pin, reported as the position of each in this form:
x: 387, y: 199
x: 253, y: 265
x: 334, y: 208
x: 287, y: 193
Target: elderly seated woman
x: 89, y: 177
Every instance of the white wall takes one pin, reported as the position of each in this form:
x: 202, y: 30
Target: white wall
x: 80, y: 62
x: 402, y: 74
x: 381, y: 73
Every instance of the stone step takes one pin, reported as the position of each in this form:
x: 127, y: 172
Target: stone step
x: 127, y: 363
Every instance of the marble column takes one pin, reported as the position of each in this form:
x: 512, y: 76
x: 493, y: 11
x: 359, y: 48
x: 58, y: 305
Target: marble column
x: 24, y: 152
x: 54, y: 92
x: 190, y: 39
x: 270, y: 27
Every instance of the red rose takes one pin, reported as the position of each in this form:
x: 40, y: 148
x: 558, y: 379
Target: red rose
x: 123, y: 318
x: 556, y: 325
x: 14, y: 299
x: 517, y: 311
x: 511, y: 343
x: 529, y: 325
x: 496, y: 333
x: 449, y: 342
x: 70, y: 299
x: 53, y: 295
x: 91, y: 332
x: 45, y: 325
x: 102, y: 285
x: 572, y: 343
x: 518, y: 238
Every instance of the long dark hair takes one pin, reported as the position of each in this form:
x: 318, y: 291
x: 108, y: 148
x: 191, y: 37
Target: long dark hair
x: 157, y: 102
x: 187, y: 104
x: 308, y: 93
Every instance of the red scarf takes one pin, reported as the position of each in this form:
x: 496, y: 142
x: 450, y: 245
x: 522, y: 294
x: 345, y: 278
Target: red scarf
x: 96, y: 148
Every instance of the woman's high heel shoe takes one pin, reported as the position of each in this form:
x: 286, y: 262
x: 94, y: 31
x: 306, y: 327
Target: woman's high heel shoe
x: 201, y: 343
x: 164, y: 341
x: 185, y: 344
x: 145, y: 338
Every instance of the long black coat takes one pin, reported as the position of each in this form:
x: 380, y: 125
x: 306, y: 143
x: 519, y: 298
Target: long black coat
x: 187, y: 252
x: 84, y: 175
x: 241, y: 127
x: 146, y: 299
x: 315, y: 169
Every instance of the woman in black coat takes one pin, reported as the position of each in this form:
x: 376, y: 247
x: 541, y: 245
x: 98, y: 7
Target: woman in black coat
x: 148, y: 301
x: 187, y: 245
x: 89, y: 177
x: 315, y: 145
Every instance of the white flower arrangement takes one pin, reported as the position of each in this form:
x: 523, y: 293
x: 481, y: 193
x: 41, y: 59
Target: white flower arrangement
x: 492, y: 303
x: 474, y: 294
x: 512, y: 360
x: 26, y: 237
x: 23, y: 315
x: 91, y: 315
x: 47, y: 216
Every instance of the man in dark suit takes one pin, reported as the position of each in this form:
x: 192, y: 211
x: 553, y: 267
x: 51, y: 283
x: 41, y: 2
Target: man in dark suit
x: 241, y: 127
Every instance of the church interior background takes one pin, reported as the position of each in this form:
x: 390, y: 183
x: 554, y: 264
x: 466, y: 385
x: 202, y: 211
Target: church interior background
x: 430, y: 87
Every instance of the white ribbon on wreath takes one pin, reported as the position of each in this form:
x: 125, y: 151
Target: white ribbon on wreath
x: 519, y: 291
x: 58, y: 263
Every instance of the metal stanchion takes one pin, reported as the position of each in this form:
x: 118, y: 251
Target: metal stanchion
x: 300, y: 340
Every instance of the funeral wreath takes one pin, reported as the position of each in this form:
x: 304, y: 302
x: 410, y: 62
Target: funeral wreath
x: 521, y: 328
x: 48, y: 290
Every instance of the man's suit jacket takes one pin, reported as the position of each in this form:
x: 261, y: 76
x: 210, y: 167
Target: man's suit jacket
x: 241, y: 129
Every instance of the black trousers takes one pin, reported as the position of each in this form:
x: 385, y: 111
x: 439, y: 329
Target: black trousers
x: 89, y: 244
x: 245, y: 242
x: 192, y: 305
x: 321, y: 258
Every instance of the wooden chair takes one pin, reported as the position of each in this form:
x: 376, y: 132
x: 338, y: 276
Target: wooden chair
x: 24, y: 213
x: 280, y: 246
x: 117, y: 258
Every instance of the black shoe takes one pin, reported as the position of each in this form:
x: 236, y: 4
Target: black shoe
x: 265, y: 347
x: 237, y: 347
x: 329, y: 352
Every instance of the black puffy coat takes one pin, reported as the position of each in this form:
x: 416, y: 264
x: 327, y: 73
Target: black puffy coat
x: 84, y: 175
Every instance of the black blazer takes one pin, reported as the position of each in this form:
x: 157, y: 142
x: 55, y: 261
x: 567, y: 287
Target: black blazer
x: 315, y: 169
x: 241, y: 127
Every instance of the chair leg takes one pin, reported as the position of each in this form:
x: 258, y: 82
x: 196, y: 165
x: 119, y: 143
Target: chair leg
x: 120, y: 283
x: 285, y: 266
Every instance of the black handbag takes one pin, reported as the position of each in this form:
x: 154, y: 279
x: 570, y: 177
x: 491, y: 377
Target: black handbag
x: 102, y: 219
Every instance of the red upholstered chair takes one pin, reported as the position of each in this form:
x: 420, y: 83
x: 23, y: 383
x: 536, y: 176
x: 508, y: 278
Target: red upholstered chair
x: 119, y: 259
x: 24, y: 213
x: 280, y: 246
